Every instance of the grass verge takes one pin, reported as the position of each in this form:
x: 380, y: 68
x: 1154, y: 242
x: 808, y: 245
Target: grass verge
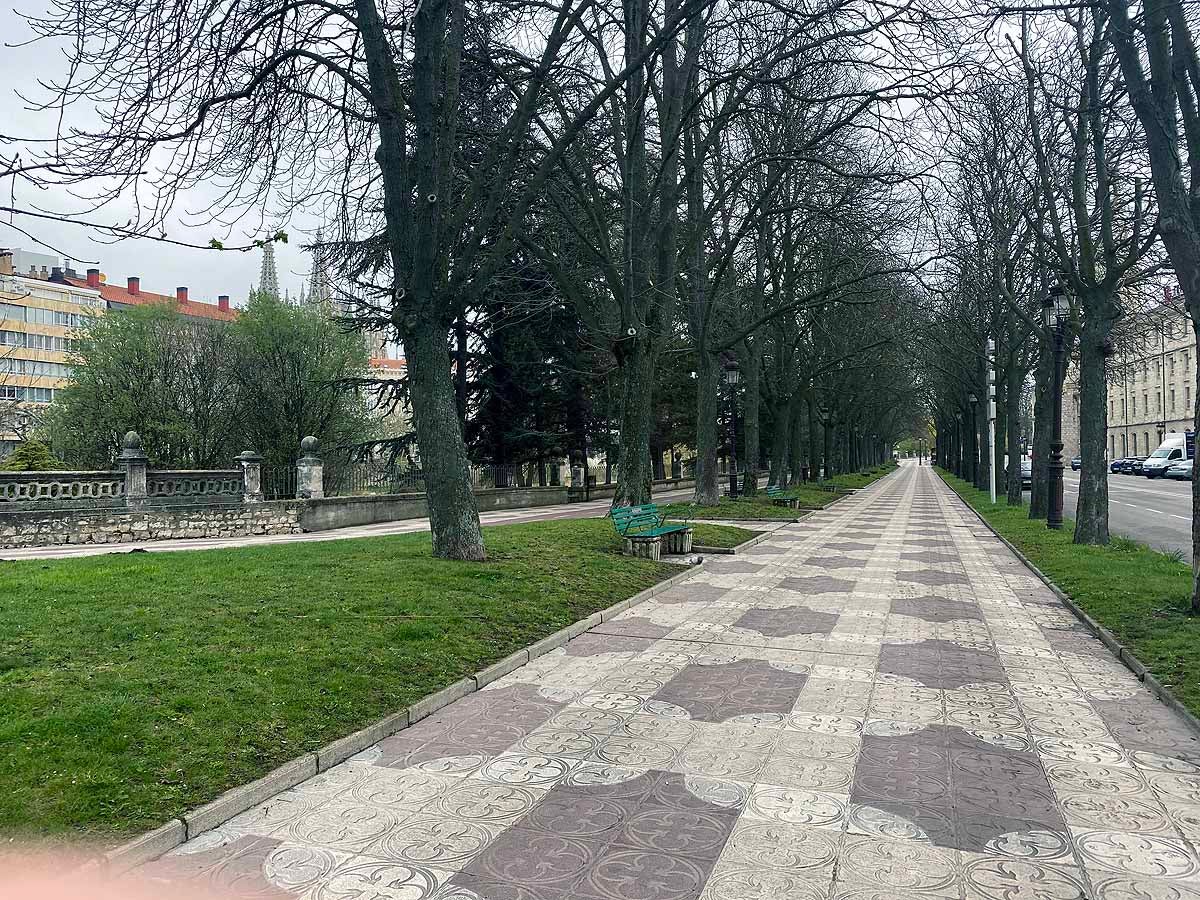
x: 720, y: 535
x: 760, y: 507
x: 1141, y: 595
x: 136, y: 686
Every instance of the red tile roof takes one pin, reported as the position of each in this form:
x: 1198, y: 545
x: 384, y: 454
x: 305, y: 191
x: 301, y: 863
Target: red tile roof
x: 113, y: 293
x: 382, y: 362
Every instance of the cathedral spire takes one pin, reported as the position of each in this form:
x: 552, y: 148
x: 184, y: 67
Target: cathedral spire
x: 320, y: 288
x: 268, y: 280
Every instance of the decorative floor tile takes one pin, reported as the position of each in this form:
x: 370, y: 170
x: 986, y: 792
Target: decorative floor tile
x: 880, y: 703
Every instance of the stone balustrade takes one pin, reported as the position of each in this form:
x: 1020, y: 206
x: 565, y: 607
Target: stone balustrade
x: 136, y: 486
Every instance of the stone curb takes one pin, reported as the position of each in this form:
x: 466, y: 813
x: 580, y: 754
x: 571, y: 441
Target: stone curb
x: 239, y: 799
x: 344, y: 748
x: 1119, y: 650
x: 145, y: 847
x: 153, y: 844
x: 737, y: 548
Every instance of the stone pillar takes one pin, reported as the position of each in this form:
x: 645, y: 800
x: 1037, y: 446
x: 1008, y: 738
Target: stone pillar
x: 251, y: 464
x: 134, y: 462
x: 310, y: 473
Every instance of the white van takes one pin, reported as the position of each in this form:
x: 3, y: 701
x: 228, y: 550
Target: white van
x: 1172, y: 450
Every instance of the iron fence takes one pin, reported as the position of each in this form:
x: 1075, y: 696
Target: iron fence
x: 278, y: 482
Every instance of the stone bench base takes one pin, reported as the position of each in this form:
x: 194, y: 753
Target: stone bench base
x: 678, y: 541
x: 644, y: 547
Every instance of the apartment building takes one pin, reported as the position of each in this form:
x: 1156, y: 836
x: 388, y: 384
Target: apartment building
x: 42, y: 303
x: 37, y: 319
x: 1151, y: 388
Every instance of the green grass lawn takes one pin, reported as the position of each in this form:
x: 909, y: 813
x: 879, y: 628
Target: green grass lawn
x: 720, y: 535
x: 1141, y: 595
x: 748, y: 509
x: 136, y: 686
x: 743, y: 509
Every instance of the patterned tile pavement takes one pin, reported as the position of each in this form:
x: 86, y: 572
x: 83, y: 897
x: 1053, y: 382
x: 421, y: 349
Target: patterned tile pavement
x: 878, y: 703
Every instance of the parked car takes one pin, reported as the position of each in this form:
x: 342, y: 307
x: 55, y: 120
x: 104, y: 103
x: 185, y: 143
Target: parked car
x: 1116, y: 464
x: 1128, y: 463
x: 1180, y: 471
x: 1026, y: 472
x: 1138, y: 466
x: 1076, y: 462
x: 1173, y: 449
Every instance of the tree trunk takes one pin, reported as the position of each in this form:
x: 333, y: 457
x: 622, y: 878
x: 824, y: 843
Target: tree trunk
x: 814, y: 449
x: 1012, y: 419
x: 1195, y: 311
x: 780, y: 443
x: 750, y: 427
x: 1091, y: 511
x: 708, y: 411
x: 1043, y: 411
x: 453, y: 510
x: 414, y: 242
x: 796, y: 441
x: 634, y: 474
x: 827, y: 455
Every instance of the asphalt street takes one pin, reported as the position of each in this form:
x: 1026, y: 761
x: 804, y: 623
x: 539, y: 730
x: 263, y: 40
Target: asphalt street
x: 1157, y: 512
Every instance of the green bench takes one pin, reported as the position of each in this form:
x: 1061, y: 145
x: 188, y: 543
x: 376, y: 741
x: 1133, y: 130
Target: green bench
x: 777, y: 497
x: 645, y: 531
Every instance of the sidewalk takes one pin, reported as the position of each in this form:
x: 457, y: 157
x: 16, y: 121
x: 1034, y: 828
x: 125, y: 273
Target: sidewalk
x: 878, y: 703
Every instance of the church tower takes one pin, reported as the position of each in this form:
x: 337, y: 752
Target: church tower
x: 268, y: 280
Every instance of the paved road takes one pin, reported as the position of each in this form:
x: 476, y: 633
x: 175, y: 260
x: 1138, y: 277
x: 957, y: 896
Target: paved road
x: 404, y: 526
x: 880, y: 703
x: 1158, y: 512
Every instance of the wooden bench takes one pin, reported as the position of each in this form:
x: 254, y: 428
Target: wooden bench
x: 645, y: 531
x: 779, y: 498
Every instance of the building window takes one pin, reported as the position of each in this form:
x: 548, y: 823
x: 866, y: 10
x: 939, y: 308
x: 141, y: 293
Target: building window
x: 1145, y: 404
x: 8, y: 392
x: 1112, y: 447
x: 12, y: 338
x: 1124, y: 445
x: 1172, y: 400
x: 1146, y: 439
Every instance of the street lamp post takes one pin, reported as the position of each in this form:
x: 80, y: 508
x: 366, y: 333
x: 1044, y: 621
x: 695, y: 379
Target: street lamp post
x: 732, y: 377
x: 1055, y: 311
x: 961, y: 456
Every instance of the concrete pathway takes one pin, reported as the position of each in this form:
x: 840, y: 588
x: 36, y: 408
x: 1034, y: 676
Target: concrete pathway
x: 403, y: 526
x: 879, y: 703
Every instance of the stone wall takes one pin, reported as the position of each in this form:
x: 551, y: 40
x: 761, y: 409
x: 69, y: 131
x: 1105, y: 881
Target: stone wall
x: 117, y: 526
x: 345, y: 512
x: 47, y: 527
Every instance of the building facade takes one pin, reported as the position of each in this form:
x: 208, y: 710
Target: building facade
x: 37, y: 320
x: 42, y: 304
x: 1151, y: 388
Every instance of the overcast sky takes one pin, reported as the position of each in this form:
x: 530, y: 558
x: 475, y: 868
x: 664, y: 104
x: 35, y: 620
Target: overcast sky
x: 160, y: 266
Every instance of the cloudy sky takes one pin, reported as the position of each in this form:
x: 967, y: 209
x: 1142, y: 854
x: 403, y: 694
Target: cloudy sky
x: 161, y: 267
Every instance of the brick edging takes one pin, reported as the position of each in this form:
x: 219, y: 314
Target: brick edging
x: 1119, y: 650
x: 153, y: 844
